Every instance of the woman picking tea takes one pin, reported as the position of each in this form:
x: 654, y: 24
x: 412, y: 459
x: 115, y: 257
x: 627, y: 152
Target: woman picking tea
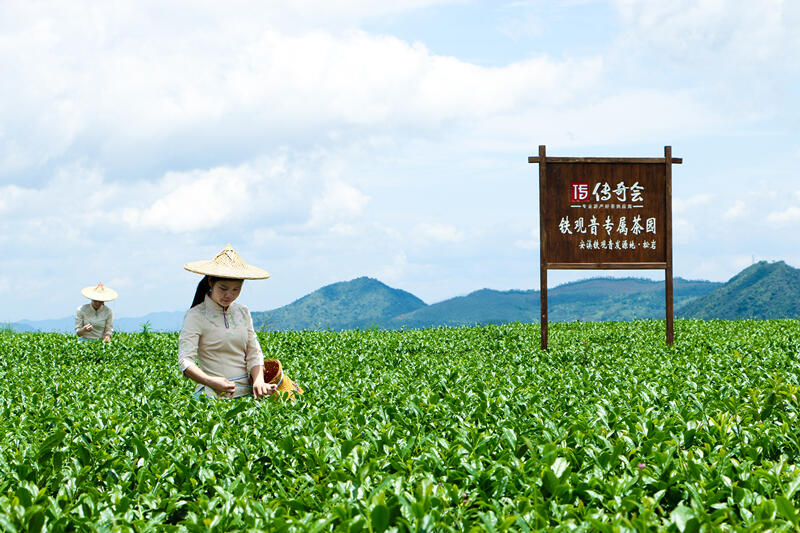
x: 218, y: 347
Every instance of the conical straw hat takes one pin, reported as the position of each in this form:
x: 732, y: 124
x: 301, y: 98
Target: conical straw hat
x: 227, y: 264
x: 100, y: 293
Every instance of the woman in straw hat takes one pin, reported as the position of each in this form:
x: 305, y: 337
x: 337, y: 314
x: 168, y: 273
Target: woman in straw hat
x: 95, y: 320
x: 218, y: 347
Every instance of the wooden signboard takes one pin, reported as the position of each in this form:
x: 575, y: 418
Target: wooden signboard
x: 605, y: 213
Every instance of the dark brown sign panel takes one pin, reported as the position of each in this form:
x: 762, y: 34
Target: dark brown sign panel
x: 605, y: 213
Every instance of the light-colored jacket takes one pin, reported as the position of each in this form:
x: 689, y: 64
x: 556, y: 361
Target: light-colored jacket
x: 222, y: 342
x: 102, y: 321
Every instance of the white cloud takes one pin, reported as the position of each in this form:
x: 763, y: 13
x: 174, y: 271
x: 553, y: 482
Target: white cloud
x: 736, y: 210
x: 682, y: 230
x: 339, y: 201
x: 529, y: 244
x: 112, y: 86
x: 396, y: 269
x: 735, y: 30
x: 716, y: 268
x: 270, y: 193
x: 195, y: 201
x: 781, y: 216
x: 345, y: 230
x: 314, y: 9
x: 629, y: 116
x: 278, y: 192
x: 742, y: 55
x: 73, y: 201
x: 264, y: 236
x: 683, y: 205
x: 788, y: 215
x: 437, y: 233
x: 12, y: 195
x: 120, y: 282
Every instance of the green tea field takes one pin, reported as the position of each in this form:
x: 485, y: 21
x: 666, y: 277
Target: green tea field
x: 421, y: 430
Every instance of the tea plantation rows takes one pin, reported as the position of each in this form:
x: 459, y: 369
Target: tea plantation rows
x: 423, y: 430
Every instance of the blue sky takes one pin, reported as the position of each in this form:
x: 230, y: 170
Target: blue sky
x: 327, y: 141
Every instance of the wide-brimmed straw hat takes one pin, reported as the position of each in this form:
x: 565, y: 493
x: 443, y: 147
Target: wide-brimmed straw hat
x: 99, y: 292
x: 227, y: 264
x: 273, y: 375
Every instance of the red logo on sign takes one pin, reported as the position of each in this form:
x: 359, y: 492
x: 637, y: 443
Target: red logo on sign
x: 580, y: 191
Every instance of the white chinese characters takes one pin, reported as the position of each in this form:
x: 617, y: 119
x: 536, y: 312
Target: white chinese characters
x: 619, y: 227
x: 603, y: 192
x: 615, y: 233
x: 614, y: 244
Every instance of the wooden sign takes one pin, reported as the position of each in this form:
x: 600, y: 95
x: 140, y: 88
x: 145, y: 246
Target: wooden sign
x: 605, y: 213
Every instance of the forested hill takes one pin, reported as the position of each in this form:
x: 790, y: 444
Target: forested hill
x: 360, y: 303
x: 366, y: 302
x: 763, y: 290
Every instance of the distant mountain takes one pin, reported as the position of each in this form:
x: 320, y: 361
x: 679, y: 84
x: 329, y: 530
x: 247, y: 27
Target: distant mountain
x: 485, y: 306
x: 16, y: 327
x: 763, y: 290
x: 160, y: 321
x: 601, y: 299
x: 58, y: 325
x: 594, y: 299
x: 360, y: 303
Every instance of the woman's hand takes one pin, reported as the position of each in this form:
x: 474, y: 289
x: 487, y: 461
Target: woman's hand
x: 87, y: 328
x: 223, y: 387
x: 107, y: 338
x: 262, y: 389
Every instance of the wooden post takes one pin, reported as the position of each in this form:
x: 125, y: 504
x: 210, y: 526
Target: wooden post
x: 542, y: 245
x: 668, y: 271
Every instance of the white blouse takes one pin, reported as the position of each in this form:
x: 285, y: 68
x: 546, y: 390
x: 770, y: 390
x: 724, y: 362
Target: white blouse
x: 102, y: 321
x: 222, y: 342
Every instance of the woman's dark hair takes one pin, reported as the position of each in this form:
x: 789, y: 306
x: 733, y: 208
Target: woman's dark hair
x: 203, y: 288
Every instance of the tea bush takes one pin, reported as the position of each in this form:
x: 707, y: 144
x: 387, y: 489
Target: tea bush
x: 444, y: 429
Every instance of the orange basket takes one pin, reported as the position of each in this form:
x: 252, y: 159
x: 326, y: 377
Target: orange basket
x: 273, y: 375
